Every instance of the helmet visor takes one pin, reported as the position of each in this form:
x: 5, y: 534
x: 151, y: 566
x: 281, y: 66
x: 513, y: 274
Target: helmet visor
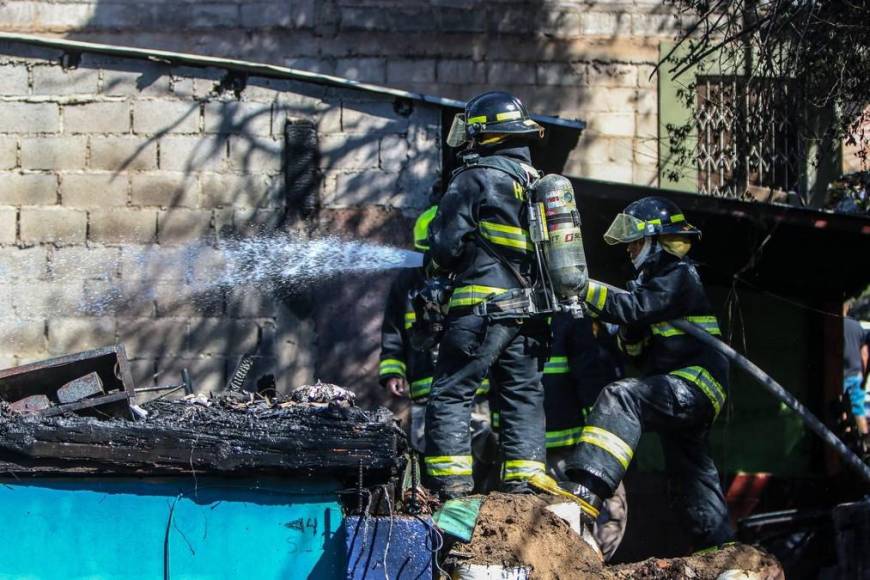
x: 456, y: 137
x: 624, y: 229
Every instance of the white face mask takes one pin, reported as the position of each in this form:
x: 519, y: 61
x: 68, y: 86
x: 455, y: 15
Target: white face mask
x: 645, y: 252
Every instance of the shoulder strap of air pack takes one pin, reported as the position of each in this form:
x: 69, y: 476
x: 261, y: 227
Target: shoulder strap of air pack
x: 524, y: 174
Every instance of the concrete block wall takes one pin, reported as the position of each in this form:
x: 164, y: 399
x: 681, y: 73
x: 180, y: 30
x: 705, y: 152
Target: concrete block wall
x: 120, y: 179
x: 591, y: 59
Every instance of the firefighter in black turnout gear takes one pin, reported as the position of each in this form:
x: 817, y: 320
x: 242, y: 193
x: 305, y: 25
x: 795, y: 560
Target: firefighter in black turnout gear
x: 683, y: 385
x: 479, y: 237
x: 406, y: 371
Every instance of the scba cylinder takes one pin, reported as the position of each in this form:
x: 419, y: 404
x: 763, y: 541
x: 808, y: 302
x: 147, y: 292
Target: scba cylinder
x: 563, y: 243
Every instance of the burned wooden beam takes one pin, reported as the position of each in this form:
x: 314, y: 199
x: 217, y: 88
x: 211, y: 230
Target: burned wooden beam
x: 221, y: 435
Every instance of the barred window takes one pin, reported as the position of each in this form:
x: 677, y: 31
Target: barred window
x: 746, y: 145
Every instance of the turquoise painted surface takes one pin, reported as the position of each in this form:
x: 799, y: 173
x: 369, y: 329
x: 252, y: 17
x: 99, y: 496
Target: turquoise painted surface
x: 210, y: 528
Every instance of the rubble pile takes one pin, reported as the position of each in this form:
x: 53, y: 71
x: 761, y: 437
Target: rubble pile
x: 517, y: 531
x: 315, y: 429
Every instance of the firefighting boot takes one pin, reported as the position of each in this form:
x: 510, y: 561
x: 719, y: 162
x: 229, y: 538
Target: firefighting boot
x: 588, y: 502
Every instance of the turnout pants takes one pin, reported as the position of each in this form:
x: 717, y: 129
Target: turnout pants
x: 682, y: 415
x: 512, y: 352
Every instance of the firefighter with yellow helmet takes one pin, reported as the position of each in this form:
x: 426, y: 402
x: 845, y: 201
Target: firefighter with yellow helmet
x: 684, y: 382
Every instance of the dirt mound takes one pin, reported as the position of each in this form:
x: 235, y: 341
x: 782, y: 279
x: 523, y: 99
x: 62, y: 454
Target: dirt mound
x: 738, y: 557
x: 517, y: 530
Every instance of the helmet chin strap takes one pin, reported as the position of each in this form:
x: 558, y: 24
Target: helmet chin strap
x: 650, y: 247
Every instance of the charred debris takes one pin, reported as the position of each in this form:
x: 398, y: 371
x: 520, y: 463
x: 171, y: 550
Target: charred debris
x: 76, y: 415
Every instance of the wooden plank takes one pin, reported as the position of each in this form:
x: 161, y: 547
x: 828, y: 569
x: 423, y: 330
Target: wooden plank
x: 180, y: 437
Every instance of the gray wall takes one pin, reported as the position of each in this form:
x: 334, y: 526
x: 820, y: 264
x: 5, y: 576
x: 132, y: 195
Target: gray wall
x: 115, y: 173
x: 591, y: 59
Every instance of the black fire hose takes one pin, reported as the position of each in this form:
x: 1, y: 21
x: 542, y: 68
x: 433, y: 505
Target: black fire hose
x: 774, y: 389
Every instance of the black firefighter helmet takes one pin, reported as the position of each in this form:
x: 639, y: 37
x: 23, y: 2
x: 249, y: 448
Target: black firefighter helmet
x: 649, y: 217
x: 494, y: 113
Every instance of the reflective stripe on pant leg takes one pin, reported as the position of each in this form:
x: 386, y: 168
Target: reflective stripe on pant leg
x: 564, y: 437
x: 702, y: 379
x: 446, y: 465
x: 611, y: 443
x: 521, y: 469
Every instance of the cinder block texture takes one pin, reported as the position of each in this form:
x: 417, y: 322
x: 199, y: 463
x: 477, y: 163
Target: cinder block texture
x: 112, y: 226
x: 53, y: 224
x: 94, y: 190
x: 18, y: 117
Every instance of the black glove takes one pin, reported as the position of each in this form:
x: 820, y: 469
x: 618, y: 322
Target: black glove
x: 430, y: 306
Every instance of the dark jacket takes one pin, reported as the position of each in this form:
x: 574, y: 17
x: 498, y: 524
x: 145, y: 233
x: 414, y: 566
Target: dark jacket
x: 398, y: 359
x: 667, y: 288
x: 488, y: 203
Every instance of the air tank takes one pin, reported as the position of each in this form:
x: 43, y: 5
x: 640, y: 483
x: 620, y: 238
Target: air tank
x: 563, y: 240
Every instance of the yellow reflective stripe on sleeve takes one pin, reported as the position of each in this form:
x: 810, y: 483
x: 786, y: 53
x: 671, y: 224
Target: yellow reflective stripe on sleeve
x: 442, y: 465
x: 521, y: 469
x: 708, y: 323
x: 564, y: 438
x: 471, y: 295
x: 701, y: 378
x: 505, y: 235
x: 556, y: 365
x: 391, y: 366
x: 667, y: 329
x: 596, y: 295
x: 410, y: 319
x: 483, y: 389
x: 619, y: 449
x: 508, y: 116
x: 421, y: 388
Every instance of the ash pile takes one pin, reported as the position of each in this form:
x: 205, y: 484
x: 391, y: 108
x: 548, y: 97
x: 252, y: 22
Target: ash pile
x: 76, y: 415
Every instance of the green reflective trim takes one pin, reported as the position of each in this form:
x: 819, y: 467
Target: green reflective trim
x: 483, y: 389
x: 410, y: 319
x: 445, y: 465
x: 556, y: 365
x: 508, y: 116
x: 596, y: 295
x: 421, y: 228
x: 495, y: 419
x: 391, y: 366
x: 421, y: 388
x: 506, y: 235
x: 609, y: 442
x: 702, y: 379
x: 630, y: 348
x: 478, y: 119
x: 667, y: 329
x: 678, y: 218
x: 471, y: 295
x: 564, y: 438
x: 521, y: 469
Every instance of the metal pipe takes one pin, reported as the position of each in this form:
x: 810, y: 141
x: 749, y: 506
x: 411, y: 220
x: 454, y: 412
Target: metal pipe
x: 247, y: 67
x: 774, y: 388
